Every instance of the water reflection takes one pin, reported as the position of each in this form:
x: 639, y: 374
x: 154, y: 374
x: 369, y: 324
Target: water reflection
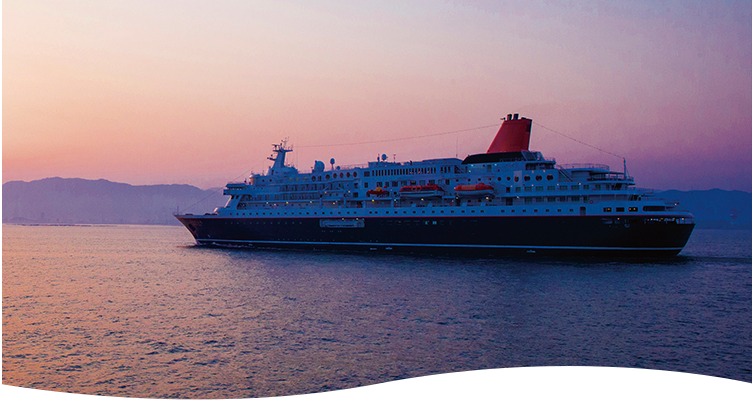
x: 139, y: 311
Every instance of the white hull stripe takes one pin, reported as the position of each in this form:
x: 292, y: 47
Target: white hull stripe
x: 469, y: 246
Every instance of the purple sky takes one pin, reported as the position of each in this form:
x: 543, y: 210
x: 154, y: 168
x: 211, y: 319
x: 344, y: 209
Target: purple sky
x: 196, y: 92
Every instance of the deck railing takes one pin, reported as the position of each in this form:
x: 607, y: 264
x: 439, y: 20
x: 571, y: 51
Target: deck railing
x: 584, y: 166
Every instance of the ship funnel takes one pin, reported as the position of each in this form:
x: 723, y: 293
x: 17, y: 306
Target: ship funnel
x: 512, y: 136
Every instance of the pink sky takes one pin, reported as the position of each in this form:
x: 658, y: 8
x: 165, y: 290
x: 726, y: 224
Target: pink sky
x: 196, y: 91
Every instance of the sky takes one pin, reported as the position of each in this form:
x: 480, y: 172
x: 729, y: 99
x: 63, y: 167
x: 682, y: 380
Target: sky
x: 196, y: 92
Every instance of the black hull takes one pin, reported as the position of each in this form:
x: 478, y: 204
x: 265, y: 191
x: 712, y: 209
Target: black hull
x: 559, y: 236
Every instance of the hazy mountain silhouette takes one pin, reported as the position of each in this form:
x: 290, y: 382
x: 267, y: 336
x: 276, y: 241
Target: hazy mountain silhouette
x: 81, y: 201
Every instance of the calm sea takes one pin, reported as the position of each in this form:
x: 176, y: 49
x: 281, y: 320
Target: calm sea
x: 140, y: 311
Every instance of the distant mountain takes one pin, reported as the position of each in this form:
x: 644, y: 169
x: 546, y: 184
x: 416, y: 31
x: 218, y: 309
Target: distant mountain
x: 81, y: 201
x: 718, y: 209
x: 77, y: 201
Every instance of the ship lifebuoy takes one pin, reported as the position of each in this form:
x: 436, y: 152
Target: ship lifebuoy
x: 591, y: 201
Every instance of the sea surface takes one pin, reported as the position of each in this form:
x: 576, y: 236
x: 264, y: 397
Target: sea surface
x: 140, y: 311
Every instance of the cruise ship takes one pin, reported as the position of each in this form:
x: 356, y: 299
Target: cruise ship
x: 507, y: 201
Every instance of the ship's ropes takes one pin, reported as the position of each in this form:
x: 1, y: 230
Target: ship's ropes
x: 578, y: 141
x: 405, y: 138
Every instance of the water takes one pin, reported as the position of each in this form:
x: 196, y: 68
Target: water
x: 140, y: 311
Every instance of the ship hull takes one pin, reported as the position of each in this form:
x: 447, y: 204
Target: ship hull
x: 542, y: 235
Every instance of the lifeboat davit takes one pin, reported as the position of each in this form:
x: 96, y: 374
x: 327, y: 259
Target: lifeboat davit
x: 480, y: 189
x: 430, y: 190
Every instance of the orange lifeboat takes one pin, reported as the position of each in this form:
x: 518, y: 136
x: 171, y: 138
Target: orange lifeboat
x: 378, y: 192
x: 480, y: 189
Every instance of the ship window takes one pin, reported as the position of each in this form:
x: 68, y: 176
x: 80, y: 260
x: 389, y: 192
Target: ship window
x: 607, y: 209
x: 575, y: 199
x: 527, y: 178
x: 586, y: 187
x: 654, y: 208
x: 538, y: 178
x: 550, y: 177
x: 515, y: 179
x: 619, y: 209
x: 527, y: 200
x: 348, y: 174
x: 366, y: 174
x: 394, y: 183
x: 574, y: 187
x: 633, y: 209
x: 539, y: 188
x: 518, y: 189
x: 527, y: 189
x: 355, y: 174
x: 327, y: 176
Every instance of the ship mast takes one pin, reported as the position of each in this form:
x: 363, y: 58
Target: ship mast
x: 279, y: 159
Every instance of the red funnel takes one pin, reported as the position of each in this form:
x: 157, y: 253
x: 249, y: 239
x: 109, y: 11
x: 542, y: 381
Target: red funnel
x: 512, y: 136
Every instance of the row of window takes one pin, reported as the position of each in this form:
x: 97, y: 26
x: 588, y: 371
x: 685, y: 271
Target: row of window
x: 634, y: 209
x: 355, y: 195
x: 461, y: 211
x: 403, y: 171
x: 395, y: 184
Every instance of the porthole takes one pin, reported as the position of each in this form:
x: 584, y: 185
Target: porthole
x: 538, y: 178
x: 355, y: 174
x: 327, y: 176
x: 527, y: 178
x: 508, y: 178
x: 348, y: 174
x: 314, y: 178
x: 549, y: 177
x: 515, y: 179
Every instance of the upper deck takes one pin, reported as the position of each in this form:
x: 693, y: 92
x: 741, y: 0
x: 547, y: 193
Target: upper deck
x: 512, y: 178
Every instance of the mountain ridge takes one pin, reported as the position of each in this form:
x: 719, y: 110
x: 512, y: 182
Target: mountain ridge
x: 83, y: 201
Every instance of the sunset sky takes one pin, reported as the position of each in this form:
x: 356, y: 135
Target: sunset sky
x: 196, y: 92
